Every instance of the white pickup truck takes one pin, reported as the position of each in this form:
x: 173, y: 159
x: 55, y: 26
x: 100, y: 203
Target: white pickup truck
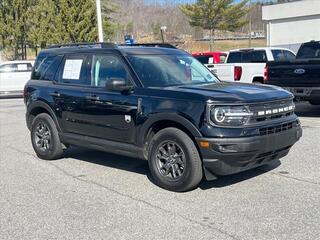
x: 13, y: 76
x: 249, y: 65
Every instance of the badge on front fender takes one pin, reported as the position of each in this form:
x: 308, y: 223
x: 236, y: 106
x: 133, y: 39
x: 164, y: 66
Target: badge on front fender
x: 127, y: 118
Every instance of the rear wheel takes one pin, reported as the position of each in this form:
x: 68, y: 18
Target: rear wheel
x: 45, y: 138
x: 174, y: 160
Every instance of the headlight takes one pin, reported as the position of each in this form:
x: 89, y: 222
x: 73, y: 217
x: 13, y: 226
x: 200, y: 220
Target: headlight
x: 230, y: 115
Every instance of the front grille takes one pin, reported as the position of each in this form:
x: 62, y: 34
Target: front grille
x: 269, y: 111
x: 275, y: 129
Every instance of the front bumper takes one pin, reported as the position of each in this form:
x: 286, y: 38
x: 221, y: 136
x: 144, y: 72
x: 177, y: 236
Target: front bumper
x: 226, y: 156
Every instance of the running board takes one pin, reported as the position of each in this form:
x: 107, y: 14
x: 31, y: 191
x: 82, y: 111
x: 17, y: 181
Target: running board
x: 99, y: 144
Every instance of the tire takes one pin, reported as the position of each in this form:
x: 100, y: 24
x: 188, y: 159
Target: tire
x: 314, y: 102
x: 45, y: 138
x: 185, y: 160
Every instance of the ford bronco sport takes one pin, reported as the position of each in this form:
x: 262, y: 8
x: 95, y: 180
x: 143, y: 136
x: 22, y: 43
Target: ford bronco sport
x: 156, y: 103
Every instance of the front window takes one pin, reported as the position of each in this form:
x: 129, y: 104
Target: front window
x: 170, y: 70
x: 8, y: 68
x: 105, y: 68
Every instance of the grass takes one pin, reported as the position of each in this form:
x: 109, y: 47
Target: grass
x: 190, y: 46
x: 223, y: 45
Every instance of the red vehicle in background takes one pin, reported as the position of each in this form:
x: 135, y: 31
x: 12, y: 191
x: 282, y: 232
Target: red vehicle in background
x: 210, y: 58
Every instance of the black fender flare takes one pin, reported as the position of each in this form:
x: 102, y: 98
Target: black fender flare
x: 173, y: 117
x: 44, y: 105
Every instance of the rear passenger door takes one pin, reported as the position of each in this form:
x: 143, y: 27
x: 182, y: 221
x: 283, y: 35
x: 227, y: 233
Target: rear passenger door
x: 85, y: 105
x: 69, y: 92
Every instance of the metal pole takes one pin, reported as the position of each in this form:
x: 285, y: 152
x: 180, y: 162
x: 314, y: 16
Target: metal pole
x: 162, y: 31
x: 250, y: 24
x: 99, y: 20
x: 162, y: 37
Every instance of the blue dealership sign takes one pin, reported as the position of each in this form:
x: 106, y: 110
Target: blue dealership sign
x: 128, y: 39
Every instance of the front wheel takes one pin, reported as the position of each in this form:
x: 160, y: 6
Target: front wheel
x: 174, y: 160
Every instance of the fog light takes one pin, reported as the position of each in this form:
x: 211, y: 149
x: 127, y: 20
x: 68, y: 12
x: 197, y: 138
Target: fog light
x: 228, y: 148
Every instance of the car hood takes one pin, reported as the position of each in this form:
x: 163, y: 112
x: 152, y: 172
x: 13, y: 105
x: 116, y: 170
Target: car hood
x: 236, y: 92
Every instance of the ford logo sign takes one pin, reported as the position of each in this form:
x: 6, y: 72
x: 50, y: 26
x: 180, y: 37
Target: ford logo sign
x: 299, y: 71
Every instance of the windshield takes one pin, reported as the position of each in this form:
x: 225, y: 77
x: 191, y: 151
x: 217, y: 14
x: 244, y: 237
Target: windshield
x: 170, y: 70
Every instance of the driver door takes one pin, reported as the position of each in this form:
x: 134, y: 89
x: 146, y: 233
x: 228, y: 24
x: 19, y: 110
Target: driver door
x: 110, y: 115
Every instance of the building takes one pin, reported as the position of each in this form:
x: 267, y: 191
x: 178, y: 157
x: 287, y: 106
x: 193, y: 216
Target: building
x: 290, y: 24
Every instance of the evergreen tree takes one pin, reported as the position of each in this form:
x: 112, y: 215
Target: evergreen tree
x: 216, y: 15
x: 38, y: 23
x: 13, y: 27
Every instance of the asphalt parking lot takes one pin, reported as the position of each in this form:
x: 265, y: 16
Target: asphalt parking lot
x: 94, y: 195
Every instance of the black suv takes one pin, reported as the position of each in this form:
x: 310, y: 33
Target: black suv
x: 156, y: 103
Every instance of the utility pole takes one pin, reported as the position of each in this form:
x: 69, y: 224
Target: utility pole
x: 250, y: 23
x: 162, y: 31
x: 99, y: 20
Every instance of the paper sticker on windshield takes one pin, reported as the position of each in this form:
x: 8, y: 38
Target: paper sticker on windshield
x: 211, y: 60
x: 72, y: 69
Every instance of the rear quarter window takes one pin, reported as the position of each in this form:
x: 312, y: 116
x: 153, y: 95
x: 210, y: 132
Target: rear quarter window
x: 42, y: 64
x: 52, y: 69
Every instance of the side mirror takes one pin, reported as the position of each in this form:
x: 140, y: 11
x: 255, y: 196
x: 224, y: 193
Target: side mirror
x: 118, y: 85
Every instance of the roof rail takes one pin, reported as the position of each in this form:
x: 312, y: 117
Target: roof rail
x: 164, y: 45
x: 85, y: 45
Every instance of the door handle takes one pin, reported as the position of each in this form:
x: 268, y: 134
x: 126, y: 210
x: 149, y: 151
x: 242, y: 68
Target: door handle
x: 55, y: 94
x: 93, y: 98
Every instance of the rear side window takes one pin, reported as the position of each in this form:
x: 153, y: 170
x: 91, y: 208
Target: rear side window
x: 309, y: 51
x: 73, y: 70
x: 282, y: 55
x: 203, y: 59
x: 234, y: 57
x: 24, y: 67
x: 254, y: 57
